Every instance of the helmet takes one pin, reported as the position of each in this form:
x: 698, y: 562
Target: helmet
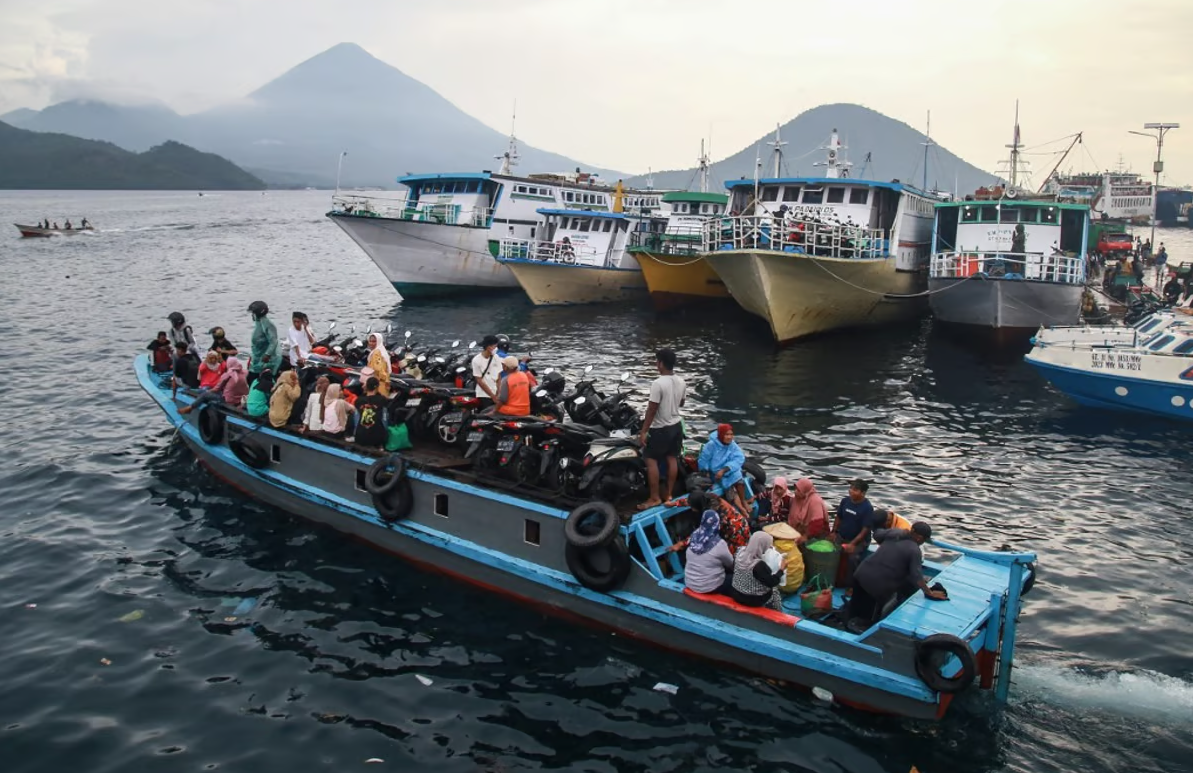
x: 553, y: 382
x: 503, y: 342
x: 258, y: 309
x: 176, y: 318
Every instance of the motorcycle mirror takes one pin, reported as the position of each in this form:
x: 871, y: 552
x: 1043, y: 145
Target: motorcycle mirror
x: 579, y: 400
x: 625, y: 376
x: 358, y: 342
x: 332, y: 325
x: 407, y: 334
x: 540, y: 393
x: 461, y: 369
x: 422, y: 358
x: 548, y: 370
x: 337, y: 348
x: 440, y: 360
x: 368, y: 329
x: 455, y: 343
x: 588, y: 369
x: 389, y: 329
x: 472, y: 344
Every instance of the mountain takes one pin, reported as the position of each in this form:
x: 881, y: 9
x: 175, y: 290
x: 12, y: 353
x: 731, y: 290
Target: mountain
x: 896, y: 152
x: 294, y: 127
x: 36, y: 160
x: 18, y: 117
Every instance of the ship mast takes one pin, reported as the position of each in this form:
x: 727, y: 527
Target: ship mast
x: 777, y: 154
x: 703, y: 169
x: 509, y: 159
x: 834, y: 166
x: 927, y: 143
x: 1015, y: 147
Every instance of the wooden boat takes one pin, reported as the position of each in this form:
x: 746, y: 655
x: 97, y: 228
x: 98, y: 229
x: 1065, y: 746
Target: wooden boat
x: 33, y: 230
x: 442, y: 517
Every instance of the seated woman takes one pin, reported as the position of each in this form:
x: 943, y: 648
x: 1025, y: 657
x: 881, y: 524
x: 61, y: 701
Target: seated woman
x: 808, y: 515
x: 722, y: 458
x: 281, y: 401
x: 379, y: 362
x: 774, y: 504
x: 335, y: 412
x: 708, y: 560
x: 754, y: 584
x: 312, y: 419
x: 210, y: 370
x: 257, y: 402
x: 231, y: 389
x: 734, y: 526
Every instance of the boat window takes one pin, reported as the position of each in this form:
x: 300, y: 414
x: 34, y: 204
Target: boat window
x: 275, y: 454
x: 1164, y: 340
x: 791, y: 193
x: 567, y: 196
x: 360, y: 480
x: 989, y: 214
x: 1048, y: 215
x: 704, y: 209
x: 531, y: 534
x: 813, y: 195
x: 1184, y: 347
x: 608, y: 226
x: 1147, y: 325
x: 858, y: 195
x: 836, y: 195
x: 583, y: 225
x: 770, y: 193
x: 441, y: 505
x: 1008, y: 215
x: 969, y: 214
x: 1028, y: 215
x: 519, y: 189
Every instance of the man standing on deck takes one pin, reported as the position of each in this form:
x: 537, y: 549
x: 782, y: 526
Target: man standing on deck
x: 1161, y: 265
x: 851, y: 529
x: 894, y: 572
x: 485, y: 370
x: 662, y: 433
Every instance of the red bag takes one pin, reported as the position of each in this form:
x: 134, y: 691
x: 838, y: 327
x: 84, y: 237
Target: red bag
x: 817, y: 600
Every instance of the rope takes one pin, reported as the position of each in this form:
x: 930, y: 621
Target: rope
x: 923, y: 294
x: 697, y: 259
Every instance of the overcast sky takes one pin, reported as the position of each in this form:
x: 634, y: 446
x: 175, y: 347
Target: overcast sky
x: 631, y: 84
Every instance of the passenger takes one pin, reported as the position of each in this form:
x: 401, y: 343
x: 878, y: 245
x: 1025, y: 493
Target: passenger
x: 735, y: 526
x: 1161, y: 264
x: 300, y: 338
x: 709, y: 564
x: 210, y: 370
x: 889, y: 519
x: 485, y: 370
x: 851, y: 529
x: 85, y: 224
x: 281, y: 401
x: 379, y: 362
x: 181, y: 333
x: 312, y: 419
x: 774, y: 504
x: 894, y: 572
x: 257, y: 402
x: 186, y: 369
x: 68, y: 226
x: 161, y: 358
x: 231, y: 389
x: 808, y: 515
x: 513, y: 393
x: 722, y: 459
x: 662, y: 433
x: 221, y: 344
x: 1172, y: 290
x: 56, y: 225
x: 336, y: 412
x: 371, y: 431
x: 266, y: 353
x: 754, y: 584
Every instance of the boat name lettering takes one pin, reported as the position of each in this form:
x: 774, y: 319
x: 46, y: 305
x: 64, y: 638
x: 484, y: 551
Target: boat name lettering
x: 1115, y: 361
x: 812, y: 210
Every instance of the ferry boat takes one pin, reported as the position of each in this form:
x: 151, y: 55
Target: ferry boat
x: 811, y: 255
x: 583, y: 258
x: 1008, y: 266
x: 1150, y: 374
x: 1122, y: 196
x: 441, y: 517
x: 36, y: 230
x: 441, y: 238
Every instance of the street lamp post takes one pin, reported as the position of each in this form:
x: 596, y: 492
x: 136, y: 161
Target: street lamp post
x: 1161, y: 129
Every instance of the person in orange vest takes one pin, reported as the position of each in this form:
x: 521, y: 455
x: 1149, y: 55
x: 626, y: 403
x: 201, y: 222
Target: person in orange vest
x: 513, y: 392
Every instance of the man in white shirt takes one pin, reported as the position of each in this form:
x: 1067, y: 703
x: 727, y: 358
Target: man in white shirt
x: 486, y: 369
x: 662, y: 433
x: 300, y: 338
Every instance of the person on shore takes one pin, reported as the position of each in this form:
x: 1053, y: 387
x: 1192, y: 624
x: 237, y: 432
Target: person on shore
x: 1146, y: 252
x: 708, y: 562
x: 312, y: 418
x: 809, y: 515
x: 722, y: 459
x: 186, y: 368
x: 894, y: 572
x: 257, y: 402
x: 1161, y: 265
x: 754, y: 583
x: 336, y: 413
x: 1137, y: 269
x: 485, y: 370
x: 266, y: 352
x: 851, y: 529
x: 210, y: 370
x: 162, y: 357
x: 221, y: 344
x: 371, y: 431
x: 281, y: 402
x: 300, y: 338
x: 231, y: 389
x: 181, y: 333
x: 662, y: 433
x: 513, y: 392
x: 774, y: 504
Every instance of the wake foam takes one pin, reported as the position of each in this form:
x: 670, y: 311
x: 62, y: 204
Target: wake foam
x: 1146, y: 695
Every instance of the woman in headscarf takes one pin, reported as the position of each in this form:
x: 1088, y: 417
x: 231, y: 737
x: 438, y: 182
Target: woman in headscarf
x: 734, y: 526
x: 221, y: 344
x: 774, y: 504
x: 257, y: 403
x: 754, y: 583
x: 722, y: 458
x: 281, y: 402
x: 210, y: 370
x: 312, y: 420
x: 708, y: 557
x: 335, y: 412
x: 230, y: 389
x: 379, y: 362
x: 808, y: 515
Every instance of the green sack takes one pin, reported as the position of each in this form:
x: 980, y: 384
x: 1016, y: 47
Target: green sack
x: 399, y: 438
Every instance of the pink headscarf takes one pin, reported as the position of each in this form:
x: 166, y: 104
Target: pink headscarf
x: 807, y: 508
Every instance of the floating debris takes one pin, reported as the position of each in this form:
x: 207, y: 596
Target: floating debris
x: 30, y: 606
x: 822, y: 695
x: 105, y: 662
x: 667, y: 688
x: 133, y: 616
x: 374, y: 759
x: 426, y: 680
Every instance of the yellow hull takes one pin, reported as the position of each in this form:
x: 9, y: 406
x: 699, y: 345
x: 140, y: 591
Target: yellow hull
x: 555, y: 284
x: 674, y: 279
x: 801, y: 296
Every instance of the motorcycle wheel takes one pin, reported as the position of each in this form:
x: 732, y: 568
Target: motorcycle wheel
x: 618, y: 482
x: 526, y: 467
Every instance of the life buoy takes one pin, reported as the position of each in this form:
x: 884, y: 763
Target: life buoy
x: 932, y: 652
x: 211, y: 424
x: 249, y: 452
x: 603, y: 568
x: 591, y: 525
x: 385, y: 474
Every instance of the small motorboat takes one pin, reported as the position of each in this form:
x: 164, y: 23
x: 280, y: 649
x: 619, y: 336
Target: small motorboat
x: 33, y: 230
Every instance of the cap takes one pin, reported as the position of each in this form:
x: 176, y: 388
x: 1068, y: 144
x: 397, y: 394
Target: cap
x: 489, y: 340
x: 922, y: 529
x: 510, y: 361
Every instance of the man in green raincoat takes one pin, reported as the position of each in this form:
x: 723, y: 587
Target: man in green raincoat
x: 267, y: 351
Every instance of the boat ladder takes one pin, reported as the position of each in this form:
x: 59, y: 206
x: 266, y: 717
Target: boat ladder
x: 650, y: 534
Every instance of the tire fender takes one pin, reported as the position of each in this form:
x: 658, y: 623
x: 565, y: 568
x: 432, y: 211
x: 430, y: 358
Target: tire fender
x: 1031, y: 579
x: 385, y: 474
x: 752, y: 468
x: 211, y: 424
x: 602, y: 568
x: 591, y: 525
x: 397, y: 503
x: 250, y: 452
x: 930, y: 652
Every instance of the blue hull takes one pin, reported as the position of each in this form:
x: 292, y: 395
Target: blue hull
x: 1120, y: 393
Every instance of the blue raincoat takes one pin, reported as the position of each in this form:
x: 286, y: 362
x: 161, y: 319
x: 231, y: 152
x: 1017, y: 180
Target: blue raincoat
x: 718, y: 456
x: 265, y: 342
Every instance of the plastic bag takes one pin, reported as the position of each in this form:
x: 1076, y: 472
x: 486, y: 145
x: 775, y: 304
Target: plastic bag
x: 399, y: 438
x: 817, y: 601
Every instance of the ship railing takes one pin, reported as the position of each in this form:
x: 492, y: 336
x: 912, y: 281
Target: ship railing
x: 400, y: 208
x: 550, y: 252
x: 796, y: 235
x: 684, y: 240
x: 1058, y: 268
